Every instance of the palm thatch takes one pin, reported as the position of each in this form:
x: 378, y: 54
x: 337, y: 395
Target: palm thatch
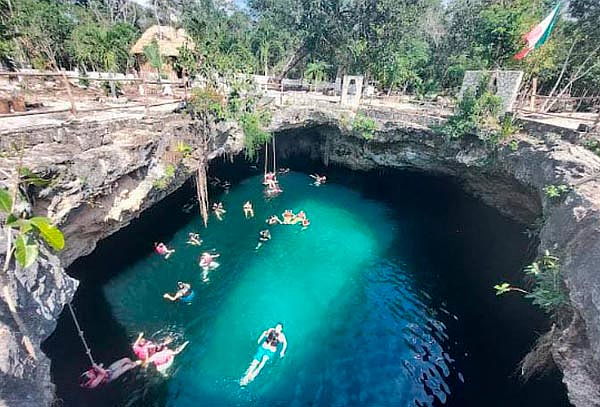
x: 169, y: 40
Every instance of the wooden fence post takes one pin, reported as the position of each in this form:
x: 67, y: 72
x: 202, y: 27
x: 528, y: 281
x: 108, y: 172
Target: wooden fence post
x: 69, y: 94
x: 533, y: 94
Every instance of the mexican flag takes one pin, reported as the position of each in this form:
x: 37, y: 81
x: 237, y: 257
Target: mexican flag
x: 540, y: 33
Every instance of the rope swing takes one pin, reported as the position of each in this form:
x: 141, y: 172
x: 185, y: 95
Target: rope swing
x: 274, y: 157
x: 88, y: 351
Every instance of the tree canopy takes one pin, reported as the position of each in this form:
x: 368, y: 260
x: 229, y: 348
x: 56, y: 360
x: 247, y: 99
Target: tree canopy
x: 403, y: 45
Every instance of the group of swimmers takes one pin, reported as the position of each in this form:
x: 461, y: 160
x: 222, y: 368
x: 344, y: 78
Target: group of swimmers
x: 147, y: 352
x: 161, y: 355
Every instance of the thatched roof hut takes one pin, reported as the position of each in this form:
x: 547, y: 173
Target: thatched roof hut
x: 169, y: 40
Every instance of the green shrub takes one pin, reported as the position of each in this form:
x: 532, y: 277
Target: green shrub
x: 364, y: 126
x: 593, y: 145
x: 163, y: 182
x: 556, y: 191
x: 548, y: 291
x: 183, y: 148
x: 254, y: 134
x: 477, y: 113
x: 207, y: 102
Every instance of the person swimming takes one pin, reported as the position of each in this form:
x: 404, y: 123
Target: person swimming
x: 97, y: 375
x: 163, y: 250
x: 218, y: 210
x: 184, y: 293
x: 274, y: 220
x: 305, y: 223
x: 267, y: 349
x: 144, y: 348
x: 248, y: 210
x: 283, y: 171
x: 163, y: 359
x: 263, y: 237
x: 194, y: 239
x: 208, y: 263
x: 319, y: 179
x: 288, y: 217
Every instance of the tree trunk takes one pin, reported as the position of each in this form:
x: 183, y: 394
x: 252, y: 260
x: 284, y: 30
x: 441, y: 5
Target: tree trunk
x: 560, y: 77
x: 298, y: 56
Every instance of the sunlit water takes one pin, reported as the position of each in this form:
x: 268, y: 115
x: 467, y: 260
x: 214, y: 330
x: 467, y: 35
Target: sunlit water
x: 373, y: 316
x: 358, y: 331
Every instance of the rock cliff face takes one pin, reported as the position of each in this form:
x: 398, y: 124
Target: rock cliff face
x: 105, y: 174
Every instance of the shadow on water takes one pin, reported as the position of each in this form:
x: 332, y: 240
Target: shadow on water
x: 455, y: 247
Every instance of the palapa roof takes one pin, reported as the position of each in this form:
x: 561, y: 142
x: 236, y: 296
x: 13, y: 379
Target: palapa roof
x: 169, y: 40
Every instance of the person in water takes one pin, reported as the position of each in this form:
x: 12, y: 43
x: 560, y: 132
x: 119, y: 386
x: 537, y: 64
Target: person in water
x: 283, y: 171
x: 184, y: 293
x: 248, y: 210
x: 208, y: 263
x: 194, y: 239
x: 163, y: 359
x: 273, y: 220
x: 266, y: 351
x: 288, y: 217
x: 144, y: 348
x: 218, y: 210
x: 263, y: 237
x: 305, y: 223
x: 319, y: 179
x: 97, y: 375
x: 163, y: 250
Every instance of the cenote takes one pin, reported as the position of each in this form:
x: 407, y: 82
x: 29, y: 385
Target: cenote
x: 386, y: 299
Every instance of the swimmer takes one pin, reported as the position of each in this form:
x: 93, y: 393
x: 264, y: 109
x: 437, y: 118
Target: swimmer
x: 263, y: 236
x: 288, y: 217
x: 283, y: 171
x: 248, y: 210
x: 97, y: 375
x: 184, y: 293
x: 274, y: 220
x: 301, y: 215
x: 164, y: 359
x: 194, y: 239
x: 305, y: 223
x: 266, y: 350
x: 163, y: 250
x: 319, y: 179
x: 144, y: 348
x: 270, y: 180
x: 208, y: 263
x: 218, y: 210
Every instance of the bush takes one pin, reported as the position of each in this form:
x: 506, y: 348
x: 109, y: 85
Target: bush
x: 208, y: 102
x: 254, y: 134
x: 477, y: 113
x: 364, y: 126
x: 163, y: 182
x: 556, y: 191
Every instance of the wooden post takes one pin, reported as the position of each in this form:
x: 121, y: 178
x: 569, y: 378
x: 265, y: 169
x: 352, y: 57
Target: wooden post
x: 533, y: 93
x: 69, y: 94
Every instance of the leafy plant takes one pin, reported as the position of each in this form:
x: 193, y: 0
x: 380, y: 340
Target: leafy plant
x: 207, y: 102
x: 29, y: 232
x: 513, y: 145
x: 593, y: 145
x: 163, y: 182
x: 548, y: 291
x: 183, y: 148
x: 255, y: 135
x: 556, y: 191
x: 364, y: 126
x: 153, y: 55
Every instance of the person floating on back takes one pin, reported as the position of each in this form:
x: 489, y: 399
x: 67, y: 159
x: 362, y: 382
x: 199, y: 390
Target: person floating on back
x: 163, y: 359
x: 207, y: 263
x: 194, y: 239
x: 266, y: 351
x: 162, y: 250
x: 145, y: 348
x: 248, y: 210
x: 319, y: 179
x: 97, y: 375
x: 184, y: 293
x: 273, y: 220
x: 218, y: 210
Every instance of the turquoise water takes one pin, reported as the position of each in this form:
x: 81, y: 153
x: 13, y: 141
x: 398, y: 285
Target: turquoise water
x: 386, y: 300
x: 351, y: 315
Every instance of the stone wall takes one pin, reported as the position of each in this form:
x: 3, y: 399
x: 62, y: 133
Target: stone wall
x: 505, y: 84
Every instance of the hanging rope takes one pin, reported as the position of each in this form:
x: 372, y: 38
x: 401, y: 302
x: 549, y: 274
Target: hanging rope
x: 202, y: 192
x: 80, y: 332
x: 274, y: 157
x: 266, y: 157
